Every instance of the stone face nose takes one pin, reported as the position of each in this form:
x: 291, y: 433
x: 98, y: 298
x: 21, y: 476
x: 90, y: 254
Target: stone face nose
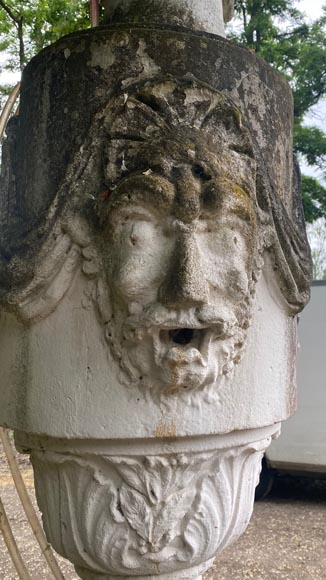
x: 185, y: 284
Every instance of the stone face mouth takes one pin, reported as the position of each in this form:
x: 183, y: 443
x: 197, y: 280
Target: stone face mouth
x: 183, y: 348
x: 182, y: 335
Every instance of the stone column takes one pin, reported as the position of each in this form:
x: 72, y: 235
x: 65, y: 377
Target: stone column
x: 205, y: 15
x: 153, y: 260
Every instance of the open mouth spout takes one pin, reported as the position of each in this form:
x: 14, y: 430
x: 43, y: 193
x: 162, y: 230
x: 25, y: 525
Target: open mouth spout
x: 182, y: 335
x: 182, y: 354
x: 183, y: 346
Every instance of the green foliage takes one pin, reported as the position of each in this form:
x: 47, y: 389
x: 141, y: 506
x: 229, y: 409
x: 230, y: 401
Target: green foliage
x: 260, y: 26
x: 314, y: 198
x: 310, y: 142
x: 279, y: 33
x: 26, y: 26
x: 52, y: 19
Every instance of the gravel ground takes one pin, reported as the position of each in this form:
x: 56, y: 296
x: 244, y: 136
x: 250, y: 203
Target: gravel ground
x: 286, y: 539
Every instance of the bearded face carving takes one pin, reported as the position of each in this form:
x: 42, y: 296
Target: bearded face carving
x: 180, y: 239
x: 179, y: 276
x: 164, y: 207
x: 129, y: 306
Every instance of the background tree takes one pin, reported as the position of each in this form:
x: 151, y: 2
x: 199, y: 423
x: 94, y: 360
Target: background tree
x: 317, y: 237
x: 27, y: 26
x: 280, y: 34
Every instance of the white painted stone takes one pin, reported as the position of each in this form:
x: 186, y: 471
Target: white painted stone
x: 137, y: 510
x: 174, y: 313
x: 149, y: 359
x: 87, y: 395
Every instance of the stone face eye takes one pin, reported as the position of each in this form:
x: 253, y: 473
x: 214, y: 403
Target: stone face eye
x: 140, y: 233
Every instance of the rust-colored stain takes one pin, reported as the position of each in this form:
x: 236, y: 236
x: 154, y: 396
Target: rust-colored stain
x: 166, y: 430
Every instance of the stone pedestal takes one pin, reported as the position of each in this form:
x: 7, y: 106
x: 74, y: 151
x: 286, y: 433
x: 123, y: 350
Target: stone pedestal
x: 146, y: 508
x: 153, y: 260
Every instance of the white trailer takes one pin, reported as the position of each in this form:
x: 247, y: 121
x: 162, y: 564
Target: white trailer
x: 301, y: 448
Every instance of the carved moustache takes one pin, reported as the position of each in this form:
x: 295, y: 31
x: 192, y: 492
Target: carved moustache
x: 157, y: 317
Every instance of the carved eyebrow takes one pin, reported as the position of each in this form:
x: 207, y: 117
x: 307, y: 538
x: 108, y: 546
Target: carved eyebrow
x: 228, y: 197
x: 150, y: 188
x: 244, y: 212
x: 132, y: 211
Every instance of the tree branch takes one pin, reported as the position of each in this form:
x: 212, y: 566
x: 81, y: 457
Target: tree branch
x: 14, y: 17
x: 301, y: 30
x: 20, y: 31
x: 19, y: 23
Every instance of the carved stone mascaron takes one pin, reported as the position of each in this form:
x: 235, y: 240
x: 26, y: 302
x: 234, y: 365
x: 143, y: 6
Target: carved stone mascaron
x: 153, y: 259
x: 169, y: 280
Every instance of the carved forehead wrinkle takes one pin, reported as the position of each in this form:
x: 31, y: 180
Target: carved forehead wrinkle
x: 159, y: 156
x: 184, y: 145
x: 174, y: 181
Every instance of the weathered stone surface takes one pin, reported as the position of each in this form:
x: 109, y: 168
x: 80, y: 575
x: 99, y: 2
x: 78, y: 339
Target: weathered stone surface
x: 59, y: 103
x: 129, y: 123
x: 153, y: 259
x: 205, y: 15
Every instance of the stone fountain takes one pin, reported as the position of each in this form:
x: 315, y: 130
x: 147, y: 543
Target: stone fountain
x: 153, y: 260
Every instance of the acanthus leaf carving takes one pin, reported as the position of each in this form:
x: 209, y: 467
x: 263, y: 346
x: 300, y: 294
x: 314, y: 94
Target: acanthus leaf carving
x: 173, y: 511
x: 146, y: 511
x: 137, y: 512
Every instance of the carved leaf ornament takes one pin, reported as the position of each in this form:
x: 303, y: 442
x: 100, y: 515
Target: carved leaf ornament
x: 137, y: 515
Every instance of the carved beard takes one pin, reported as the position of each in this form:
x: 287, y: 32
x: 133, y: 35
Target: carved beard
x: 166, y: 352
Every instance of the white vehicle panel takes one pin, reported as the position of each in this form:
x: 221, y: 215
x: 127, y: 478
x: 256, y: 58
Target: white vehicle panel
x: 302, y: 444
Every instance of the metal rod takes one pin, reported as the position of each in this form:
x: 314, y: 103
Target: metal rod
x: 95, y: 13
x: 29, y: 508
x: 7, y: 110
x: 12, y: 545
